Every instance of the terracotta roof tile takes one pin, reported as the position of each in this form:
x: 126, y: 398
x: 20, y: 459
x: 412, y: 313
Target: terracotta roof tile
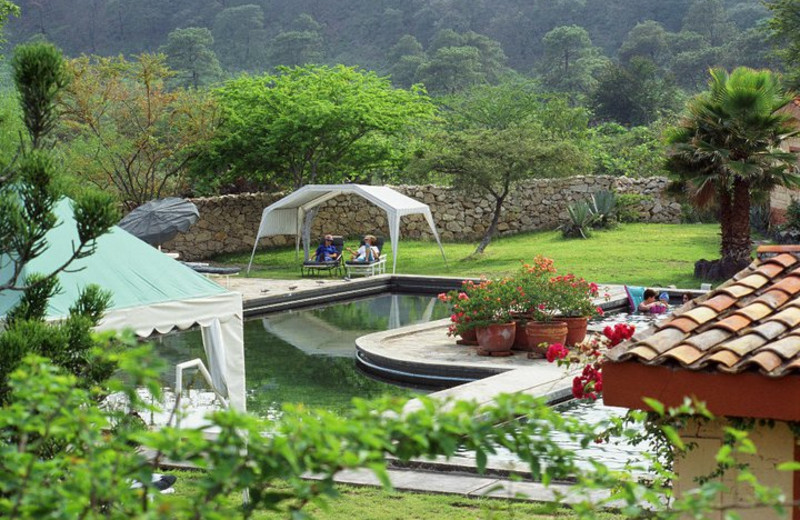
x: 682, y: 324
x: 744, y: 344
x: 764, y: 360
x: 754, y: 281
x: 642, y: 352
x: 790, y: 285
x: 790, y: 316
x: 700, y: 314
x: 709, y: 338
x: 773, y: 298
x: 784, y: 259
x: 720, y: 302
x: 734, y: 322
x: 770, y: 329
x: 750, y: 323
x: 770, y: 270
x: 787, y: 347
x: 755, y: 311
x: 684, y: 354
x: 723, y: 357
x: 738, y: 291
x: 664, y: 340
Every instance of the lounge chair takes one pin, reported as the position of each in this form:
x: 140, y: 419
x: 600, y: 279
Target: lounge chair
x: 378, y: 266
x: 635, y: 296
x: 312, y: 268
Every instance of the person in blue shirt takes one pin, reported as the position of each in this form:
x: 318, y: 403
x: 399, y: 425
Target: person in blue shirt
x: 326, y: 252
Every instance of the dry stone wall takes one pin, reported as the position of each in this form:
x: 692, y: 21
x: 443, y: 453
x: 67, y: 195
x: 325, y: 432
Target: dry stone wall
x: 229, y: 223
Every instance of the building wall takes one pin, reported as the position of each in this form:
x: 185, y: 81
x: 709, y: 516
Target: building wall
x: 229, y: 223
x: 774, y: 445
x: 780, y: 196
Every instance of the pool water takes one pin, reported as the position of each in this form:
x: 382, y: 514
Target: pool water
x: 307, y: 356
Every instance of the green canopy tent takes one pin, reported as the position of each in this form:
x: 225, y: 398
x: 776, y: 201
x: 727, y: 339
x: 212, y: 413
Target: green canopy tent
x: 150, y: 293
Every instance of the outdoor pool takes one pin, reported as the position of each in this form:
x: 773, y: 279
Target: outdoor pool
x: 307, y: 356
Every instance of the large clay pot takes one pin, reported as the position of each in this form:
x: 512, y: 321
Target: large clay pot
x: 544, y: 333
x: 497, y: 337
x: 469, y: 337
x: 576, y: 330
x: 521, y: 337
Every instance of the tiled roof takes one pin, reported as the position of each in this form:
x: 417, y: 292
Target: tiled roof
x: 750, y: 323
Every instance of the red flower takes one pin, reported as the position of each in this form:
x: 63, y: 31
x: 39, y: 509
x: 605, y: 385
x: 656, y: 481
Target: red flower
x: 556, y: 351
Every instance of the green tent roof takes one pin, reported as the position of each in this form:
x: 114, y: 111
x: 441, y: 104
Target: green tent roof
x: 136, y: 273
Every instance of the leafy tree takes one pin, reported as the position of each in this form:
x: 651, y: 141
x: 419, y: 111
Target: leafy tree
x: 458, y: 61
x: 709, y: 19
x: 301, y: 45
x: 784, y: 27
x: 501, y: 136
x: 628, y: 152
x: 405, y: 58
x: 570, y: 60
x: 239, y: 37
x: 190, y: 55
x: 727, y: 149
x: 127, y: 133
x: 636, y: 94
x: 311, y: 124
x: 647, y: 40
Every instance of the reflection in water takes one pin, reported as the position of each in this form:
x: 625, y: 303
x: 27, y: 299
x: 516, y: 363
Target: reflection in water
x: 307, y: 356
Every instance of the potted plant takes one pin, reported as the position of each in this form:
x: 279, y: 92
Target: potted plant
x: 573, y: 298
x: 485, y: 307
x: 538, y: 323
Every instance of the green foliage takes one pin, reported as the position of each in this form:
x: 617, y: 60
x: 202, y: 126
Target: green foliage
x: 570, y: 60
x: 628, y: 206
x: 39, y: 75
x: 628, y: 152
x: 311, y: 125
x: 784, y: 29
x: 793, y: 214
x: 190, y: 54
x: 127, y: 133
x: 603, y: 205
x: 728, y: 148
x: 581, y: 219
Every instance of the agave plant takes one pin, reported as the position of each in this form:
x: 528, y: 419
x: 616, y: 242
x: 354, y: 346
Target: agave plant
x: 580, y: 222
x: 603, y: 206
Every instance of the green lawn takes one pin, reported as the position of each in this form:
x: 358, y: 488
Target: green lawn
x: 639, y: 254
x: 374, y: 503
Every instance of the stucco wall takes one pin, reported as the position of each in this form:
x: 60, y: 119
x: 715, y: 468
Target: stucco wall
x: 775, y: 444
x: 229, y: 223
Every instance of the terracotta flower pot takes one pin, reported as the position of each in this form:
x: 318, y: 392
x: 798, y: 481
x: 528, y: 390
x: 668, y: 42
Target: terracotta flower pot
x: 469, y: 337
x: 576, y: 330
x: 544, y: 332
x: 497, y: 337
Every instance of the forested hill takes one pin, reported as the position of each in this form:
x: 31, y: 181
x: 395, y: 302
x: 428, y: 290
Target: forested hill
x: 412, y: 39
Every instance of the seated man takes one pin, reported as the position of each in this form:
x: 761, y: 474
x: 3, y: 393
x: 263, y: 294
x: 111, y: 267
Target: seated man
x: 368, y: 252
x: 326, y: 252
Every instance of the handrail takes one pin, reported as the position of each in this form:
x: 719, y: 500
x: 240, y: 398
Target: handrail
x: 198, y: 364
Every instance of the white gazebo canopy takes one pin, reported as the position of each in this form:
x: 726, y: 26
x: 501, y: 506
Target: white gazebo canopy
x: 285, y: 217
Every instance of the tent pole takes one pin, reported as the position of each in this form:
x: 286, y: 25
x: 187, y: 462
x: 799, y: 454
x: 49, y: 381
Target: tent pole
x: 253, y: 254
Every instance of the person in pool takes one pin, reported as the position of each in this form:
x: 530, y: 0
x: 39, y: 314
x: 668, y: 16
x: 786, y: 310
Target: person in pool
x: 651, y: 304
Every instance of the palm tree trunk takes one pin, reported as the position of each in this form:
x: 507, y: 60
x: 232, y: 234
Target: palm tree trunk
x: 725, y: 212
x: 737, y: 255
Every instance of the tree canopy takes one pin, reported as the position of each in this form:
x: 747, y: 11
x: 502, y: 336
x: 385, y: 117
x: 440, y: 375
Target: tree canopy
x: 312, y: 124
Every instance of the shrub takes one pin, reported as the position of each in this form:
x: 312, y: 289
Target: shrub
x: 603, y: 206
x: 628, y: 206
x: 580, y: 222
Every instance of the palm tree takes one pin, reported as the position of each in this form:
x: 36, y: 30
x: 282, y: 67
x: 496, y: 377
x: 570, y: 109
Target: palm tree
x: 727, y: 149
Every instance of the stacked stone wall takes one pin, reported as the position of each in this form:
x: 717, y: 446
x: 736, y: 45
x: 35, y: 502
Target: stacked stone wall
x: 229, y: 223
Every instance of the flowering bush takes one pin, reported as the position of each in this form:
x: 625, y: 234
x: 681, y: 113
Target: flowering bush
x: 481, y: 304
x: 573, y: 296
x: 546, y: 295
x: 589, y: 383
